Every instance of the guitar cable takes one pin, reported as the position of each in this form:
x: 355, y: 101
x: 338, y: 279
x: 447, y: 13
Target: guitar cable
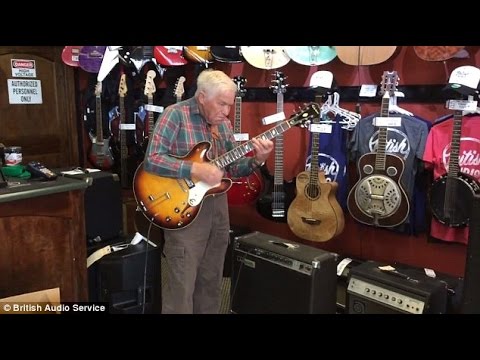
x: 144, y: 295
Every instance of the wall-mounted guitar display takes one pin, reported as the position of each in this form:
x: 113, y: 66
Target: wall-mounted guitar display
x: 437, y: 53
x: 70, y: 55
x: 90, y: 58
x: 228, y: 54
x: 451, y: 195
x: 169, y: 55
x: 378, y: 198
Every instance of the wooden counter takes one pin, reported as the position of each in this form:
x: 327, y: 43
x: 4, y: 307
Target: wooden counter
x: 42, y: 238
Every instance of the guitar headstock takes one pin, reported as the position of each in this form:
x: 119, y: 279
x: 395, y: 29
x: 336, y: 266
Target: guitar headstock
x: 98, y: 89
x: 150, y: 84
x: 279, y: 85
x: 303, y: 116
x: 389, y: 83
x: 240, y: 81
x: 179, y: 89
x: 122, y: 88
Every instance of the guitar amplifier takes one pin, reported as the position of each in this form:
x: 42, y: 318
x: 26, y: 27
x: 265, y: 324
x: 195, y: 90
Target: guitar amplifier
x: 103, y: 205
x: 405, y: 290
x: 273, y: 275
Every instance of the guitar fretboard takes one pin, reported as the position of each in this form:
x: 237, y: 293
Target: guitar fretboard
x: 238, y: 115
x: 98, y: 115
x: 453, y: 165
x: 382, y: 136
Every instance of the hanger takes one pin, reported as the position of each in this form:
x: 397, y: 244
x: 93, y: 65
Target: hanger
x: 331, y: 105
x: 393, y: 107
x: 471, y: 112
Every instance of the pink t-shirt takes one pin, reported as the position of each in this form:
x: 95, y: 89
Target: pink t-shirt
x: 437, y: 154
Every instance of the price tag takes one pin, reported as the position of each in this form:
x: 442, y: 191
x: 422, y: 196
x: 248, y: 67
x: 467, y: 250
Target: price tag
x: 321, y: 128
x: 393, y: 121
x: 154, y: 108
x: 241, y: 136
x: 368, y: 90
x: 127, y: 126
x: 464, y: 105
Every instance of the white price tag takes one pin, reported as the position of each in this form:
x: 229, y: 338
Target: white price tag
x: 368, y: 90
x: 154, y: 108
x: 394, y: 121
x: 464, y: 105
x: 127, y: 126
x: 273, y: 118
x: 321, y: 128
x: 241, y: 136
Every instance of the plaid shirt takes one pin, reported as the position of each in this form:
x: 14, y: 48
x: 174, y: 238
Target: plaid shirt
x: 177, y: 131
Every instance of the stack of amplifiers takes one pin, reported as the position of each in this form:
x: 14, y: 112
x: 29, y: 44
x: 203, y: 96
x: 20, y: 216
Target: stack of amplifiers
x: 402, y: 291
x: 273, y: 275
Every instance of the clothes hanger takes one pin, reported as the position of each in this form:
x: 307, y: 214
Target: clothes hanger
x: 393, y: 107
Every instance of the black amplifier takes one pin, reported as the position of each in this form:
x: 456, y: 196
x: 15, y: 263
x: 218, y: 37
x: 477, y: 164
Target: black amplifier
x: 274, y: 275
x: 375, y: 288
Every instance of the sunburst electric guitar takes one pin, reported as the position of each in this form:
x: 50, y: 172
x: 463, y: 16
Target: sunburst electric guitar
x: 315, y: 213
x: 247, y: 189
x: 378, y: 197
x: 173, y: 203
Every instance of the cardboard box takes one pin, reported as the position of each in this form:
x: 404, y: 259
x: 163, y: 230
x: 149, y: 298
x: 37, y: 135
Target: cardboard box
x: 38, y: 302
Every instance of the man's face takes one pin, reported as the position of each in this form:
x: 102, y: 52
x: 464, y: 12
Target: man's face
x: 216, y: 107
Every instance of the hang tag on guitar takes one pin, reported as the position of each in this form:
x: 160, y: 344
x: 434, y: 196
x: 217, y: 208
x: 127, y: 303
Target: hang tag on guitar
x: 368, y: 90
x: 321, y: 128
x: 128, y: 126
x: 393, y: 121
x: 463, y: 105
x: 241, y: 136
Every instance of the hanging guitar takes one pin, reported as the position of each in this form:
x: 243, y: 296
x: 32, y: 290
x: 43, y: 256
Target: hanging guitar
x: 179, y: 89
x: 247, y: 189
x: 198, y: 54
x: 437, y: 53
x: 378, y: 198
x: 100, y: 154
x: 70, y: 55
x: 315, y: 213
x: 278, y: 194
x: 149, y: 91
x: 90, y: 58
x: 311, y: 55
x: 228, y: 54
x: 169, y: 55
x: 364, y: 55
x: 173, y: 203
x: 265, y: 57
x: 451, y: 195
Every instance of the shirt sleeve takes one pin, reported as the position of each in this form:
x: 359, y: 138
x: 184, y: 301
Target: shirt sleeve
x: 158, y: 159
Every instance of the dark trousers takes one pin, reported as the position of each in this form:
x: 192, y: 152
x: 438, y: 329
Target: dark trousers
x: 194, y: 256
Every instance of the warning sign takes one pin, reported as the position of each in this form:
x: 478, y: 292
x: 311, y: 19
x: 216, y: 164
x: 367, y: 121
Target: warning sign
x: 24, y: 91
x: 23, y: 68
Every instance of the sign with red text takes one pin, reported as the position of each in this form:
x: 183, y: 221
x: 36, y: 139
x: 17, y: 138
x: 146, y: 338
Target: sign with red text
x: 23, y: 68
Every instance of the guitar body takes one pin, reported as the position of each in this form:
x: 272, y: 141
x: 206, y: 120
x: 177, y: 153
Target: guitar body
x: 457, y: 211
x: 91, y: 57
x: 172, y: 203
x: 311, y: 55
x: 100, y: 154
x: 265, y: 57
x: 315, y: 213
x: 169, y: 55
x: 198, y: 54
x: 245, y: 190
x: 275, y: 197
x: 70, y: 55
x: 378, y: 197
x: 364, y: 55
x: 228, y: 54
x: 437, y: 53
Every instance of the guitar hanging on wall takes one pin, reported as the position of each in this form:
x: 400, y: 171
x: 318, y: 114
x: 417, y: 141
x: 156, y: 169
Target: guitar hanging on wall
x: 247, y: 189
x: 149, y: 91
x: 311, y: 55
x: 70, y: 55
x: 437, y: 53
x: 364, y: 55
x: 228, y: 54
x: 90, y: 58
x: 100, y: 154
x: 278, y: 193
x: 315, y: 213
x: 378, y: 197
x: 173, y: 203
x: 265, y: 57
x: 451, y: 195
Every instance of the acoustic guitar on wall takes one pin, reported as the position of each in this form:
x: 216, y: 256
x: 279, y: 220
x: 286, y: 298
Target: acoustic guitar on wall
x: 437, y: 53
x: 265, y: 57
x: 364, y: 55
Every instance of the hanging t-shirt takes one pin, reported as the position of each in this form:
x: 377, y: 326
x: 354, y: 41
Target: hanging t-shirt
x: 437, y: 154
x: 332, y: 158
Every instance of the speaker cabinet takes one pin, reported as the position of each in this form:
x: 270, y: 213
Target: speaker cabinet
x: 130, y: 280
x: 372, y: 289
x: 273, y: 275
x: 471, y: 290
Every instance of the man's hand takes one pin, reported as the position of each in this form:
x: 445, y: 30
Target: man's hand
x: 263, y: 148
x: 207, y: 173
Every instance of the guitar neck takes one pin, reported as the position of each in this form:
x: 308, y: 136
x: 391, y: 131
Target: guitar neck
x: 98, y: 116
x: 380, y: 158
x: 241, y: 150
x: 453, y: 164
x: 314, y: 150
x: 278, y: 173
x: 123, y: 142
x: 237, y: 124
x: 151, y: 123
